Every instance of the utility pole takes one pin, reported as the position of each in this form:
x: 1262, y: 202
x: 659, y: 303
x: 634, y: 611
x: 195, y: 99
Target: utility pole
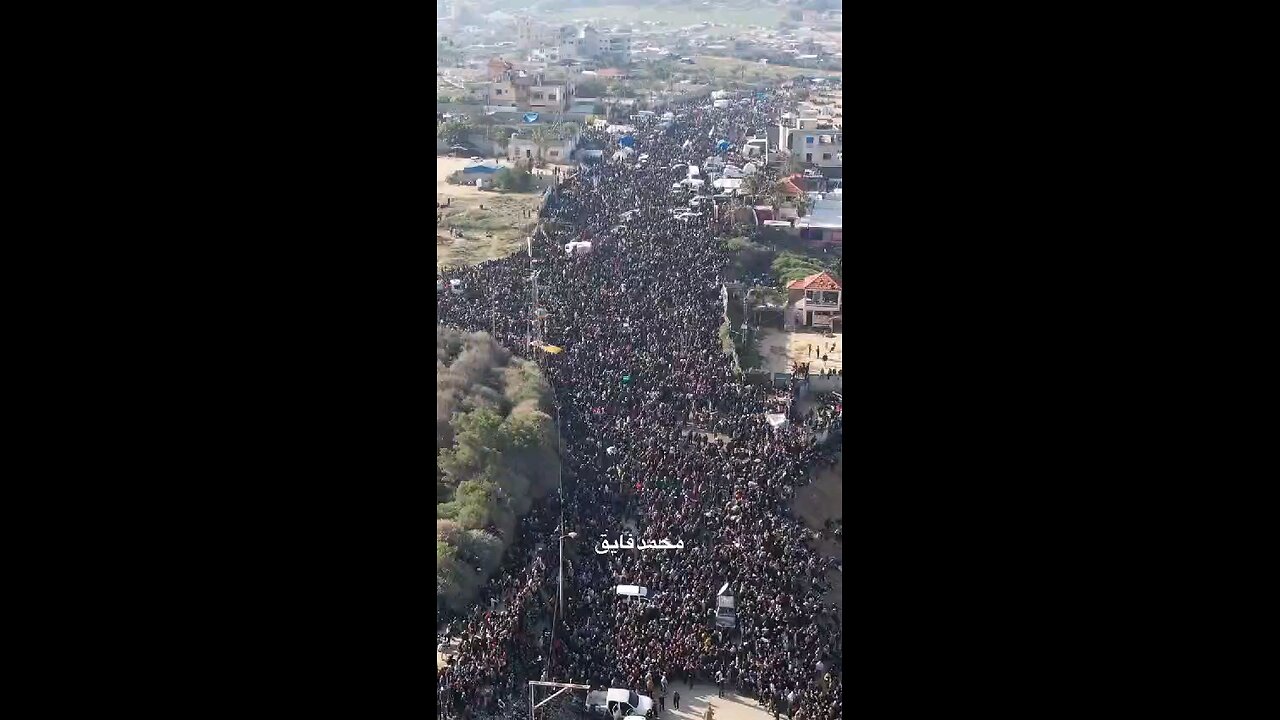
x: 560, y: 447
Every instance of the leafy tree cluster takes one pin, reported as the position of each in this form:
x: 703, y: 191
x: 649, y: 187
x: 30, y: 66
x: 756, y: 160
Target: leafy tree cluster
x: 790, y: 266
x: 496, y: 456
x: 454, y: 130
x: 516, y: 179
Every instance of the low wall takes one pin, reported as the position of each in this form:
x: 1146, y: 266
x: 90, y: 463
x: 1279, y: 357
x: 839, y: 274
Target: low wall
x: 826, y: 383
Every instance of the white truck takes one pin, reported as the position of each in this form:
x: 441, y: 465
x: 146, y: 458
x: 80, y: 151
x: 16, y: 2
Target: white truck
x: 726, y: 612
x: 633, y: 705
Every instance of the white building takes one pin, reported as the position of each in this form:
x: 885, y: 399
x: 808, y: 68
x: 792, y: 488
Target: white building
x: 591, y: 44
x: 812, y: 140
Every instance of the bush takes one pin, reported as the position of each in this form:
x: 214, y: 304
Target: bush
x: 515, y: 179
x: 789, y: 266
x: 497, y: 455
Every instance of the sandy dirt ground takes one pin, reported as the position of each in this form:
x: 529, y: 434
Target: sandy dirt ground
x: 780, y: 349
x: 693, y: 703
x: 495, y: 231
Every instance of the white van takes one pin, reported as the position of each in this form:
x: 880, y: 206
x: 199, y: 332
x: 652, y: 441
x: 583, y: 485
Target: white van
x: 633, y: 591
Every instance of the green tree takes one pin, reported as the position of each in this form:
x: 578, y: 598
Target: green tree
x: 516, y: 179
x: 453, y: 130
x: 497, y: 457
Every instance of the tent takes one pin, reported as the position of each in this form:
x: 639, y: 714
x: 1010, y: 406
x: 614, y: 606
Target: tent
x: 749, y: 169
x: 480, y: 168
x: 627, y: 141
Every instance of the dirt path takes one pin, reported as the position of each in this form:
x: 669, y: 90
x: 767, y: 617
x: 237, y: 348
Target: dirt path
x: 780, y: 349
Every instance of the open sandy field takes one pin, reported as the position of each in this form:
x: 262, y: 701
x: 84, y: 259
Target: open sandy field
x: 724, y: 67
x: 780, y: 349
x: 495, y: 230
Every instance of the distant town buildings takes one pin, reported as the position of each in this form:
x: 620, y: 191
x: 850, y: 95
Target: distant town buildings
x: 567, y: 42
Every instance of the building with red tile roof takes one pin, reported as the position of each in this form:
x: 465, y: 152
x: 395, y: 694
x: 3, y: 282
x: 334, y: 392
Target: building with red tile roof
x: 817, y: 281
x: 814, y: 300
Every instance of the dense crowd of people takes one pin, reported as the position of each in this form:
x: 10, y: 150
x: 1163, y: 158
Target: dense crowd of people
x: 659, y: 436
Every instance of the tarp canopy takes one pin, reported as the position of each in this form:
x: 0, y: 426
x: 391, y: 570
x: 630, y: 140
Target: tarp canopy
x: 722, y: 146
x: 749, y: 169
x: 776, y: 419
x: 480, y: 168
x: 531, y: 117
x: 627, y: 141
x: 727, y: 183
x: 554, y: 350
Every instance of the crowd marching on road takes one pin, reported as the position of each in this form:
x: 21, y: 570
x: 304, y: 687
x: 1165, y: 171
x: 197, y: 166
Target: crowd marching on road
x: 660, y: 433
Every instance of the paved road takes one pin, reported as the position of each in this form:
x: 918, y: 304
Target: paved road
x: 693, y: 703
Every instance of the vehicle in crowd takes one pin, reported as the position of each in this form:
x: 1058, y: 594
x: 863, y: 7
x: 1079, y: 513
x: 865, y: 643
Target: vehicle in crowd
x: 635, y: 591
x: 726, y: 612
x: 601, y: 702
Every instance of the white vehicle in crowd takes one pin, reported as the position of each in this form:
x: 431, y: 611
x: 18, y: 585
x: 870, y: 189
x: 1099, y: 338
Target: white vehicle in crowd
x: 632, y: 704
x: 635, y: 591
x: 726, y: 612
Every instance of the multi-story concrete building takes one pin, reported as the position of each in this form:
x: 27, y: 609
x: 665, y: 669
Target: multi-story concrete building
x: 812, y: 140
x: 512, y: 88
x: 591, y: 44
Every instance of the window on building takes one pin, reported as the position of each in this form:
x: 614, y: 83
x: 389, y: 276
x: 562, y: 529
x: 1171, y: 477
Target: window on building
x: 555, y: 153
x: 808, y: 139
x: 537, y: 96
x: 826, y: 156
x: 551, y: 96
